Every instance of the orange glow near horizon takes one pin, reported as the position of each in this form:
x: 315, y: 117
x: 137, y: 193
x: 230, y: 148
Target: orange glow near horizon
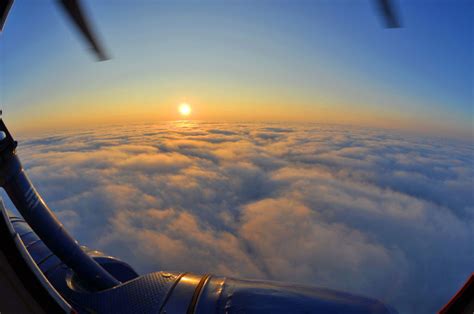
x: 246, y: 107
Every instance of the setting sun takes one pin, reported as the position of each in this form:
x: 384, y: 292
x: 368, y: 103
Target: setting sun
x: 185, y: 109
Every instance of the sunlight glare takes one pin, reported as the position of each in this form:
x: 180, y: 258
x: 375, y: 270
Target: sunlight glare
x: 185, y: 109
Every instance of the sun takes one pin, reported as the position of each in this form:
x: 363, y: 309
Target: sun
x: 184, y: 109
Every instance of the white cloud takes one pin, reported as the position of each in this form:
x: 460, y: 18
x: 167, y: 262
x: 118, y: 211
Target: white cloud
x: 361, y: 210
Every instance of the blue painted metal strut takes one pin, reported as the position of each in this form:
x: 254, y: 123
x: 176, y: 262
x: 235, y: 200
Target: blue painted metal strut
x: 43, y: 221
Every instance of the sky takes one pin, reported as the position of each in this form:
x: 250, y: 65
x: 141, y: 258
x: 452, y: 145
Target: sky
x: 312, y: 153
x: 311, y: 61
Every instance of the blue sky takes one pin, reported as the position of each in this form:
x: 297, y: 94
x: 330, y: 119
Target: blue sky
x: 321, y: 60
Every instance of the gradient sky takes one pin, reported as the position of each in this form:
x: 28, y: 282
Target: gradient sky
x: 323, y: 61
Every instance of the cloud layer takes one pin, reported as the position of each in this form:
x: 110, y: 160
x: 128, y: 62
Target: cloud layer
x: 366, y: 211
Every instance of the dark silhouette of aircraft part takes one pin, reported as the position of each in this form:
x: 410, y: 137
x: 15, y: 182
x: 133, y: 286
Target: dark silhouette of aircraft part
x: 75, y: 11
x: 42, y: 220
x: 463, y: 301
x: 5, y: 6
x: 388, y: 13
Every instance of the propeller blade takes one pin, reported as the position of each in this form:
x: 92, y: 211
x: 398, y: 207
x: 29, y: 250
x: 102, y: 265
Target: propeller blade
x: 387, y: 11
x: 76, y: 13
x: 5, y: 6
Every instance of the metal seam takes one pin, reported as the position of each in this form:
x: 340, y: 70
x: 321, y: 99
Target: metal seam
x: 197, y: 292
x: 168, y: 295
x: 44, y: 259
x: 33, y: 243
x: 26, y: 233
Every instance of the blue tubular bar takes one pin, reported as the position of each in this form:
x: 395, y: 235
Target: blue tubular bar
x: 43, y: 221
